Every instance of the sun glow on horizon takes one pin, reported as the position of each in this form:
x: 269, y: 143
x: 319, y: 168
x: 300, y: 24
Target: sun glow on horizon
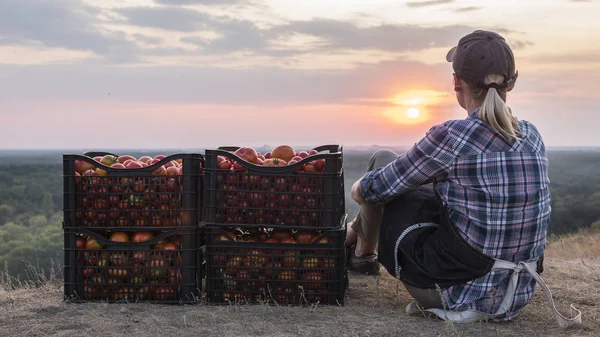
x: 413, y: 107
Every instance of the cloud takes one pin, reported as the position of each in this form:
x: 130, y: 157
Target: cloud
x: 235, y: 35
x: 59, y: 23
x: 419, y: 4
x: 520, y: 44
x: 147, y: 39
x: 72, y: 25
x: 467, y: 9
x: 168, y: 18
x: 340, y: 35
x: 238, y: 35
x: 245, y: 35
x: 201, y: 2
x: 571, y: 58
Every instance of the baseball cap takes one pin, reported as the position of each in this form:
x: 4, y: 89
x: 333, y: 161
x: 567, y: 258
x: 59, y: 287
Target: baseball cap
x: 480, y: 54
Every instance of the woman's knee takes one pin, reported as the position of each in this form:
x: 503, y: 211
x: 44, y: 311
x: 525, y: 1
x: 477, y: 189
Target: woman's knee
x: 381, y: 158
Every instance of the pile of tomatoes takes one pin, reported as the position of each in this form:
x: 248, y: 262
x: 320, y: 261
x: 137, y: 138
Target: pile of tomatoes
x: 282, y: 155
x: 150, y: 273
x: 249, y: 196
x: 142, y: 200
x: 278, y: 265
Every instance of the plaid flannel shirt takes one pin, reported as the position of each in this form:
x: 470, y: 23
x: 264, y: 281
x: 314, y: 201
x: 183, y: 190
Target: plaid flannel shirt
x: 497, y: 194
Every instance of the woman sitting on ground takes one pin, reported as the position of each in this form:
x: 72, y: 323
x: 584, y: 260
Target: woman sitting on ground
x: 461, y: 217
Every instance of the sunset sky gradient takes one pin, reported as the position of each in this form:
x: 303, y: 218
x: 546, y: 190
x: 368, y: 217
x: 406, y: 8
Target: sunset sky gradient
x: 203, y: 73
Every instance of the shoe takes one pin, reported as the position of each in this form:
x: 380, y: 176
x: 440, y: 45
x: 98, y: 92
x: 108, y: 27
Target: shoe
x: 366, y: 264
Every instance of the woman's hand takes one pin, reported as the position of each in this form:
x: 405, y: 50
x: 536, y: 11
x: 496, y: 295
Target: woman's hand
x: 355, y: 193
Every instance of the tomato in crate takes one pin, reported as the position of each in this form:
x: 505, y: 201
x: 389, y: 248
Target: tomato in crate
x: 304, y: 189
x: 118, y: 266
x: 105, y: 191
x: 251, y: 264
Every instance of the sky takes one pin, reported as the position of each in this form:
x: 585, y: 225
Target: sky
x: 204, y: 73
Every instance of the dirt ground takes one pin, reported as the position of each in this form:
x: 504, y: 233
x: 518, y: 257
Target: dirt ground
x: 374, y: 307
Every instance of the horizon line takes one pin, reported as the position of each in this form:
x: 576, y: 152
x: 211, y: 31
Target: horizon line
x: 255, y: 146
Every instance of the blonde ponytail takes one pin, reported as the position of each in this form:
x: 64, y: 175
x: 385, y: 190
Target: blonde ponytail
x: 494, y: 110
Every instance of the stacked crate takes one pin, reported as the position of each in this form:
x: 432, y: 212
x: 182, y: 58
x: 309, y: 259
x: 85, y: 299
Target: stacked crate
x: 131, y: 234
x: 275, y: 234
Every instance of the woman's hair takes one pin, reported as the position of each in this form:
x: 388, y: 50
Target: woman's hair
x: 494, y: 110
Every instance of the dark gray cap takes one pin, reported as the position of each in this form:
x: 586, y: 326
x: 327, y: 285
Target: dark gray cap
x: 480, y: 54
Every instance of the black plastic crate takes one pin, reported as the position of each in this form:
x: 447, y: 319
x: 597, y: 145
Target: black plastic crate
x: 164, y: 269
x: 246, y: 265
x: 275, y: 196
x: 140, y: 198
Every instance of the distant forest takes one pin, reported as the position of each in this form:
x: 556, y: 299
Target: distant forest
x: 31, y: 197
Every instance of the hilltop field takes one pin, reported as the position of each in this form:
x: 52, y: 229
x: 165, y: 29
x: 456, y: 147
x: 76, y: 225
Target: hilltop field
x: 374, y: 307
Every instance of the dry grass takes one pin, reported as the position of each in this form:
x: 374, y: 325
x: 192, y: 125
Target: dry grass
x: 374, y: 307
x: 584, y: 244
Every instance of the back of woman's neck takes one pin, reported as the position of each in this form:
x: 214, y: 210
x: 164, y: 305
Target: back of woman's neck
x: 472, y: 107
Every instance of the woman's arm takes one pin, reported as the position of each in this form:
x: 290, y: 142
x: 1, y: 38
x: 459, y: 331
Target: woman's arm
x: 427, y: 160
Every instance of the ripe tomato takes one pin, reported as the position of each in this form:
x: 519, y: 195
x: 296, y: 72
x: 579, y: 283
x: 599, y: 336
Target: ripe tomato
x: 304, y: 237
x: 141, y: 236
x: 81, y: 166
x: 119, y: 237
x: 171, y: 163
x: 302, y: 154
x: 237, y: 166
x: 284, y: 152
x: 275, y: 162
x: 80, y: 242
x: 246, y: 153
x: 224, y: 165
x: 122, y: 159
x: 309, y: 167
x: 172, y: 170
x: 160, y: 171
x: 319, y: 165
x: 93, y: 244
x: 134, y: 165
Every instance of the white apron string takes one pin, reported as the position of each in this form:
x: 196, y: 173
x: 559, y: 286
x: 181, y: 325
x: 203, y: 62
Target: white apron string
x: 469, y: 316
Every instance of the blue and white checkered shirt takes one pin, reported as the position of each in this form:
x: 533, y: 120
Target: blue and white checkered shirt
x: 498, y: 195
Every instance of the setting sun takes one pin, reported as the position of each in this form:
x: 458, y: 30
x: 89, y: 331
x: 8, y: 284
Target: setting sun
x: 413, y: 113
x: 413, y: 107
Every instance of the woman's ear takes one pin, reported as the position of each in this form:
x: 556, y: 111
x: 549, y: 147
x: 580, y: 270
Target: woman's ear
x: 510, y: 87
x: 512, y: 82
x: 457, y: 83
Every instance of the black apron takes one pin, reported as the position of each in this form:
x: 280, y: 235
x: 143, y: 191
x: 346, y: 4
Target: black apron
x: 419, y: 245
